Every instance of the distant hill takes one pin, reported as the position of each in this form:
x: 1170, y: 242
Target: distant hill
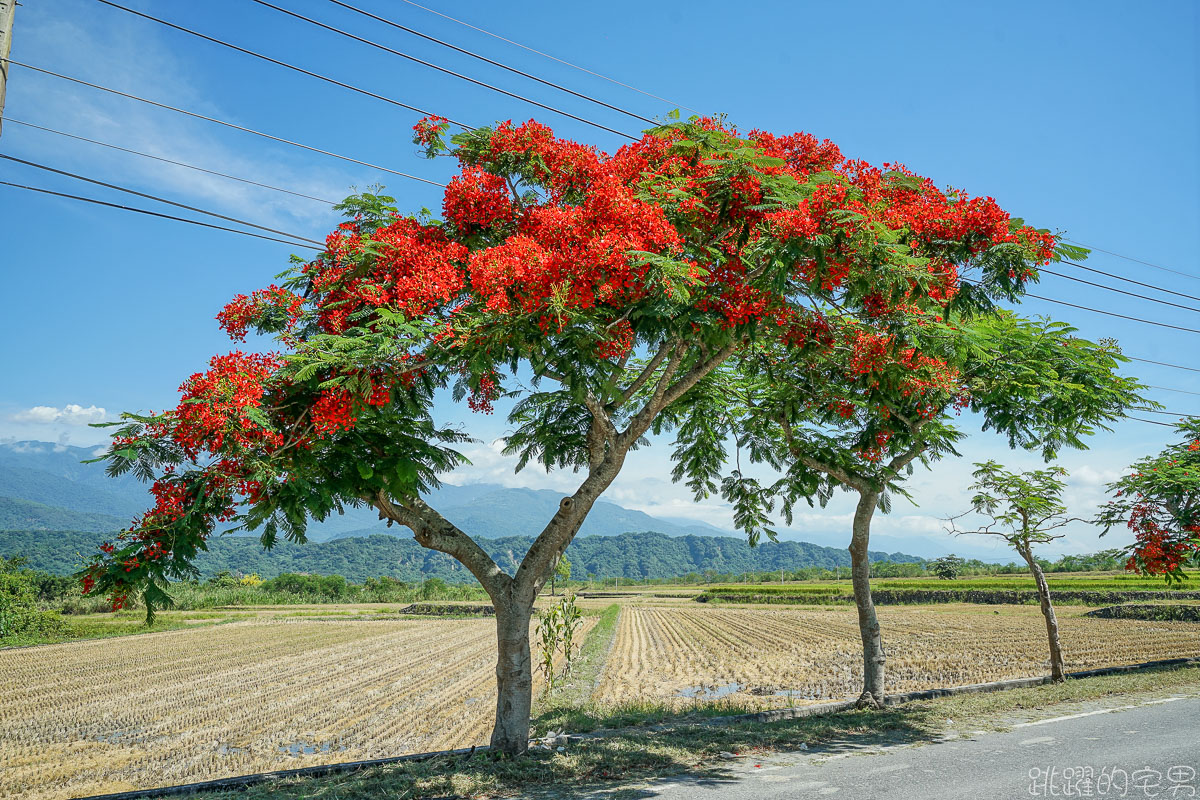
x: 52, y: 475
x: 27, y: 515
x: 629, y: 555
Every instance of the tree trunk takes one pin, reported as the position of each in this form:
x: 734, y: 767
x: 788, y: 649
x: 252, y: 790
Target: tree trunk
x: 1057, y: 672
x: 514, y: 676
x: 868, y: 624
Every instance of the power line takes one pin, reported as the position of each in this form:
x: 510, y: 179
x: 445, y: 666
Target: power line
x: 1131, y: 280
x: 1118, y: 291
x: 276, y: 61
x: 1135, y: 260
x: 1164, y: 413
x: 1169, y: 389
x: 485, y: 59
x: 451, y: 72
x: 1163, y: 364
x: 547, y: 55
x: 223, y: 122
x: 157, y: 214
x: 159, y: 199
x: 1114, y: 314
x: 1151, y: 421
x: 169, y: 161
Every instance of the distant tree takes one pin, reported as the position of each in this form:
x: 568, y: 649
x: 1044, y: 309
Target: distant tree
x: 947, y: 567
x: 19, y: 613
x: 562, y: 572
x: 1026, y: 509
x: 1159, y: 501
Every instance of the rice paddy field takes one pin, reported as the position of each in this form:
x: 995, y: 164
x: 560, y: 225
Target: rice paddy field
x: 266, y: 691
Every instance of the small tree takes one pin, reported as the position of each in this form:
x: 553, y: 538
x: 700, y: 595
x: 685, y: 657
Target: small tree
x: 1025, y: 508
x: 562, y: 572
x: 947, y: 567
x: 1159, y: 501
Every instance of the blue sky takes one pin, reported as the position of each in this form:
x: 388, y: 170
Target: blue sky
x: 1077, y: 116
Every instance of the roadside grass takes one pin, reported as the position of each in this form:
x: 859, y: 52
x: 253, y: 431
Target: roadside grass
x: 688, y: 745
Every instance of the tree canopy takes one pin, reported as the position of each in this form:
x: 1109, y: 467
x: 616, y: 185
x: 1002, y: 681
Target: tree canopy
x: 1159, y: 502
x: 601, y: 293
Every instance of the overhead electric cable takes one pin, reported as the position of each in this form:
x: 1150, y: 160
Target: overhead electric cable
x: 276, y: 61
x: 547, y: 55
x: 169, y: 161
x: 1165, y: 413
x: 485, y: 59
x: 35, y: 165
x: 157, y: 214
x: 1151, y: 421
x: 1135, y: 260
x: 222, y: 122
x: 1131, y: 280
x: 1114, y: 314
x: 1169, y: 389
x: 1098, y: 311
x: 431, y: 65
x: 1163, y: 364
x: 1118, y: 291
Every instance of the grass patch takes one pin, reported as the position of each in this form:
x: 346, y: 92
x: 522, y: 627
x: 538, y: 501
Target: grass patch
x: 107, y: 626
x: 695, y: 748
x: 556, y: 710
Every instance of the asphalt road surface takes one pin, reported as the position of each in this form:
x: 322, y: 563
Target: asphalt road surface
x: 1148, y: 750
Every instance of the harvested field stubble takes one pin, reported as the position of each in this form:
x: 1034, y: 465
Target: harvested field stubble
x: 775, y: 657
x: 109, y: 715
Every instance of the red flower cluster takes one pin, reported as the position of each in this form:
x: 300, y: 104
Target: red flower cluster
x: 1159, y: 548
x: 243, y: 313
x: 333, y: 410
x: 477, y: 199
x: 619, y: 341
x: 212, y: 413
x: 416, y: 269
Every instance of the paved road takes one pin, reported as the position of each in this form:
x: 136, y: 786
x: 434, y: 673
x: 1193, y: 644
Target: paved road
x: 1148, y: 750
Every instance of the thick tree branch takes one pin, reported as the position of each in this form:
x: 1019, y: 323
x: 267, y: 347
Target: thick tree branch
x: 434, y: 531
x: 552, y: 542
x: 663, y: 351
x: 856, y: 482
x: 666, y: 393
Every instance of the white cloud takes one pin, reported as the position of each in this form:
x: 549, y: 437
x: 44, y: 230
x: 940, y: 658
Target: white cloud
x: 70, y: 414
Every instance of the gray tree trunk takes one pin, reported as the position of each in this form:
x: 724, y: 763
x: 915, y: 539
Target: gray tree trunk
x: 868, y: 623
x: 514, y: 676
x: 1057, y: 671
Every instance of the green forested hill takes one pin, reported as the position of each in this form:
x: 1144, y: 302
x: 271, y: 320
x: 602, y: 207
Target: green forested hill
x: 27, y: 515
x: 630, y: 555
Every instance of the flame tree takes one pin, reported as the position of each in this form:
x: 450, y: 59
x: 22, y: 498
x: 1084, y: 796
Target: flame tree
x: 861, y: 413
x: 1159, y: 502
x: 599, y: 292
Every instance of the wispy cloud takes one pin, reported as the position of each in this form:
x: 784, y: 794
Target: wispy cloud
x: 64, y: 43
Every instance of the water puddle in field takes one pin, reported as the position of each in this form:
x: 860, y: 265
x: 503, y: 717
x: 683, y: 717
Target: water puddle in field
x: 307, y: 748
x: 711, y: 691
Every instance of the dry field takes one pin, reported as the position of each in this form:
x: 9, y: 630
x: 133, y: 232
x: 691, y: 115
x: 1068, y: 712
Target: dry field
x: 771, y: 657
x: 109, y: 715
x: 261, y: 694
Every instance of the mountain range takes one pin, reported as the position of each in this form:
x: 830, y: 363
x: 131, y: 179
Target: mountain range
x: 47, y: 487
